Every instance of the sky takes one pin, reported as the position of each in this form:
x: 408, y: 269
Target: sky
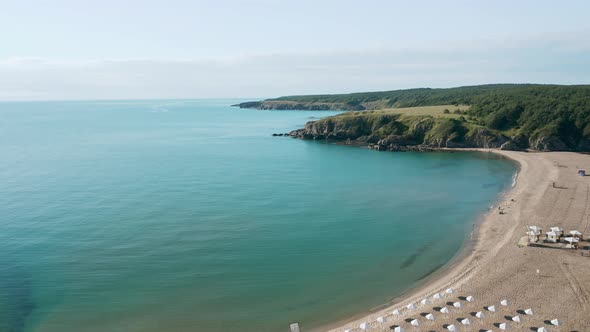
x: 131, y: 49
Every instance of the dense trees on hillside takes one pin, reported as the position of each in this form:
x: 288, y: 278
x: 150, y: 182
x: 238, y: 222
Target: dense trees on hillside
x: 526, y: 112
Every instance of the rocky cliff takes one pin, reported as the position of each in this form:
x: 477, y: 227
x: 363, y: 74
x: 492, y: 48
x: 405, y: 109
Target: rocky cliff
x: 395, y: 132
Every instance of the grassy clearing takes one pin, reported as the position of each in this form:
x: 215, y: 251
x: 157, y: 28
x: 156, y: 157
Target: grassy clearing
x: 436, y: 111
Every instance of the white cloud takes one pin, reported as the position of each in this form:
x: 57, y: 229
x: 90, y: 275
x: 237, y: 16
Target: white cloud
x: 554, y: 60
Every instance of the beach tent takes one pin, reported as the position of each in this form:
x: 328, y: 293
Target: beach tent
x: 504, y: 302
x: 415, y: 322
x: 380, y: 319
x: 399, y: 329
x: 470, y: 299
x: 444, y: 310
x: 552, y: 237
x: 573, y: 242
x: 479, y: 314
x: 411, y: 306
x: 425, y: 301
x: 516, y: 319
x: 436, y: 296
x: 449, y: 291
x: 364, y: 326
x: 452, y: 328
x: 528, y: 311
x: 535, y: 229
x: 465, y: 321
x: 557, y: 230
x: 542, y: 329
x: 395, y: 312
x: 457, y: 305
x: 504, y: 326
x: 492, y: 308
x: 429, y: 317
x: 533, y: 236
x: 555, y: 322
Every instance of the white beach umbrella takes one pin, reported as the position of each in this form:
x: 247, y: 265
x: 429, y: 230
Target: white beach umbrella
x: 479, y: 314
x: 470, y: 299
x: 399, y: 329
x: 465, y: 321
x: 444, y: 310
x: 411, y: 306
x: 364, y: 326
x: 516, y: 319
x: 425, y: 301
x: 415, y: 322
x: 457, y: 305
x: 528, y: 311
x: 449, y: 291
x: 429, y: 317
x: 535, y: 228
x: 555, y: 322
x: 452, y: 328
x: 380, y: 319
x: 492, y: 308
x: 542, y: 329
x: 504, y: 326
x: 436, y: 296
x: 395, y: 312
x: 504, y: 302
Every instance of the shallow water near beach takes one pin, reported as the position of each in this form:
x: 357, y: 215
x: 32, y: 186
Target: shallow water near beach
x: 189, y: 216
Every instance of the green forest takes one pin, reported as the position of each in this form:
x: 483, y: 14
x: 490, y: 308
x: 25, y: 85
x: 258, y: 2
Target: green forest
x: 523, y: 112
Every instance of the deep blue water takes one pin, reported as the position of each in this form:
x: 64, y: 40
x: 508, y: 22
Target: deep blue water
x: 188, y: 216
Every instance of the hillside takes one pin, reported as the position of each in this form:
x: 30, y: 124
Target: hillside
x: 509, y: 116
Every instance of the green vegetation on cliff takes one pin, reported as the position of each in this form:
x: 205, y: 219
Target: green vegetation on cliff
x: 512, y: 116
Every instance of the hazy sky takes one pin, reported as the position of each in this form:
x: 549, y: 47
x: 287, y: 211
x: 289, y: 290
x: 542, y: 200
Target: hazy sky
x: 63, y: 49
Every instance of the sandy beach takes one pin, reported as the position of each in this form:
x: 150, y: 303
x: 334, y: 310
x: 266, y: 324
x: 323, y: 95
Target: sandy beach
x: 548, y: 278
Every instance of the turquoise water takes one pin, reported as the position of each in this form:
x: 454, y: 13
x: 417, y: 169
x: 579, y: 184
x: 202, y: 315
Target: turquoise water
x: 188, y: 216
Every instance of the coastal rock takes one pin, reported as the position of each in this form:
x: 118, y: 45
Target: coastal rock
x: 547, y: 144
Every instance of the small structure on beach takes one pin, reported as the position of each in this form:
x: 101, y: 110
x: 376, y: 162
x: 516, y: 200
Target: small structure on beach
x: 582, y: 172
x: 572, y: 242
x: 557, y: 230
x: 576, y: 234
x: 552, y: 237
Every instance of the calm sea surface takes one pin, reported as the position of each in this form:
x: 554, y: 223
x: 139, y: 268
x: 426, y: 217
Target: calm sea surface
x: 188, y: 216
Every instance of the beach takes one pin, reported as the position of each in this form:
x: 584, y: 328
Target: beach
x: 552, y: 281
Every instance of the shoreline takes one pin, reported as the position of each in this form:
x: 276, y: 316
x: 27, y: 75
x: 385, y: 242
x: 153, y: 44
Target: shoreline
x: 462, y: 254
x: 466, y: 265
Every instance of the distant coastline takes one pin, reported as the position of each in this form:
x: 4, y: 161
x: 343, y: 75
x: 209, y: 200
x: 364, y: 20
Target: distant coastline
x: 515, y: 117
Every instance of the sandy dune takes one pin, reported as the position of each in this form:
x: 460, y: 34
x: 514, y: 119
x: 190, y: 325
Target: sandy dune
x: 495, y: 268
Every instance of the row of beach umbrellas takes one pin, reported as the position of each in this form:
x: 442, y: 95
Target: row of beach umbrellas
x: 453, y: 328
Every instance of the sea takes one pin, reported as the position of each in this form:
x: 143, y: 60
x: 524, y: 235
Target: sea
x: 188, y: 215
